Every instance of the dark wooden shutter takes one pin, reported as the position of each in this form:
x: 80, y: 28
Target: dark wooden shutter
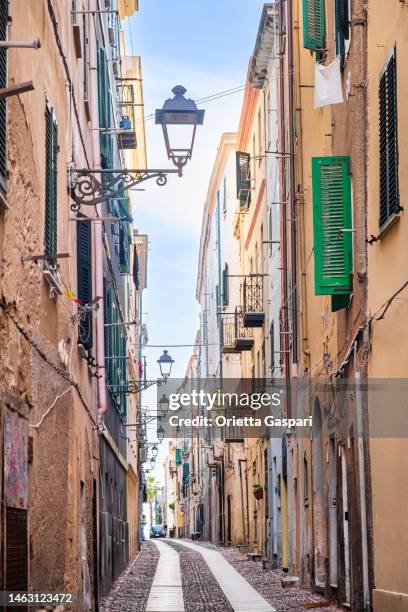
x: 272, y: 345
x: 104, y: 108
x: 342, y: 27
x: 243, y: 179
x: 108, y: 333
x: 3, y: 102
x: 313, y: 24
x: 51, y: 176
x: 16, y: 550
x: 331, y: 215
x: 389, y: 188
x: 225, y: 286
x: 84, y: 269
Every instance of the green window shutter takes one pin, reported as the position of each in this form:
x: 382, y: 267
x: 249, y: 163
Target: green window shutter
x: 3, y: 101
x: 104, y: 98
x: 123, y: 249
x: 389, y: 183
x: 243, y: 179
x: 108, y: 333
x: 340, y: 301
x: 186, y: 473
x: 51, y: 155
x: 342, y: 27
x: 313, y: 24
x: 178, y: 456
x: 331, y: 214
x: 84, y: 272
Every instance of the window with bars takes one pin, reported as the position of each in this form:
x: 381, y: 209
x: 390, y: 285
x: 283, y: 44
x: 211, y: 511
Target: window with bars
x: 314, y: 25
x: 84, y: 279
x: 3, y: 102
x: 388, y: 128
x: 51, y: 176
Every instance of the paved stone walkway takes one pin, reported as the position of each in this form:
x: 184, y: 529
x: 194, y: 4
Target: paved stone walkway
x: 166, y: 594
x: 241, y: 595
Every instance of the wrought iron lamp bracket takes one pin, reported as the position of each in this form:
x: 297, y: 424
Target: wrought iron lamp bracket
x: 89, y: 187
x: 133, y: 387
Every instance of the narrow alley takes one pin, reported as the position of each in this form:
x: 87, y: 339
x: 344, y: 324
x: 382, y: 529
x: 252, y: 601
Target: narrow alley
x: 182, y: 576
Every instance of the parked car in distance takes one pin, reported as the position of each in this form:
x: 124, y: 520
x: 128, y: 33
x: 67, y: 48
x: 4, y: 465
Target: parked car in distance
x: 157, y: 531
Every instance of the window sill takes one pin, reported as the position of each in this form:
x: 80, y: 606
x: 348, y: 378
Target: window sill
x: 52, y: 276
x: 391, y: 221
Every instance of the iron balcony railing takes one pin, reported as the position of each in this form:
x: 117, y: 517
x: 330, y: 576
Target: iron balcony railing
x: 253, y: 300
x: 235, y: 336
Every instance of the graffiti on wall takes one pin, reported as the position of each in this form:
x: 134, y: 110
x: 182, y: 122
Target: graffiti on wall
x: 15, y: 460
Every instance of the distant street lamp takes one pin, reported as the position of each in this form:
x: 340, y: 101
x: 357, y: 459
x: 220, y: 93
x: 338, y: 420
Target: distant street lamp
x: 179, y: 111
x: 165, y: 362
x: 164, y: 405
x: 155, y: 451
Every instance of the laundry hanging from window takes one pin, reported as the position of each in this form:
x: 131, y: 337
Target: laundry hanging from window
x: 328, y: 85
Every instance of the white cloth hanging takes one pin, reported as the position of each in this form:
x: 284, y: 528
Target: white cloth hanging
x: 328, y: 86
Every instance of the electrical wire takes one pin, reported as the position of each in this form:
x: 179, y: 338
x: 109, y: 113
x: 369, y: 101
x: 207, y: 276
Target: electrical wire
x: 45, y: 357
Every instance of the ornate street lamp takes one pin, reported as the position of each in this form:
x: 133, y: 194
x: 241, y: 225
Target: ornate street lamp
x: 164, y: 405
x: 155, y: 451
x: 91, y: 186
x: 165, y: 362
x: 179, y: 111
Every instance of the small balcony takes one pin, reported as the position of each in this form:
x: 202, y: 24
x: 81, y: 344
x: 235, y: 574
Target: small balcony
x: 253, y: 308
x: 127, y: 121
x: 235, y: 336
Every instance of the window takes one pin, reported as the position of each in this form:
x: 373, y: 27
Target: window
x: 84, y: 279
x: 225, y: 286
x: 342, y: 27
x: 3, y: 102
x: 51, y: 175
x: 331, y: 219
x: 272, y: 345
x: 224, y: 199
x: 305, y: 481
x: 104, y: 108
x: 243, y: 179
x: 86, y: 73
x: 389, y: 188
x: 313, y: 24
x: 259, y: 137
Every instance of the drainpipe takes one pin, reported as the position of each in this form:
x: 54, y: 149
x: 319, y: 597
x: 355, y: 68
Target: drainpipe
x: 97, y: 238
x: 362, y: 482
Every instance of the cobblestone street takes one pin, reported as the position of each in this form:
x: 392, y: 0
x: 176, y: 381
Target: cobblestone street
x: 213, y: 579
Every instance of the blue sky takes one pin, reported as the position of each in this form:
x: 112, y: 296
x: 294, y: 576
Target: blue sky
x: 204, y: 46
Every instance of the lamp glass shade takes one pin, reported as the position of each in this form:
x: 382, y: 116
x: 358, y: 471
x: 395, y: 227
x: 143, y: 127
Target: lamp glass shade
x: 165, y: 362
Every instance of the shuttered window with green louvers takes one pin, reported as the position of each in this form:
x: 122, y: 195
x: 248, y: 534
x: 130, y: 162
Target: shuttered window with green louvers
x: 3, y: 101
x: 243, y: 179
x: 186, y: 473
x: 331, y: 216
x: 84, y: 275
x: 178, y: 456
x: 313, y: 24
x: 51, y: 175
x: 104, y: 98
x: 389, y: 184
